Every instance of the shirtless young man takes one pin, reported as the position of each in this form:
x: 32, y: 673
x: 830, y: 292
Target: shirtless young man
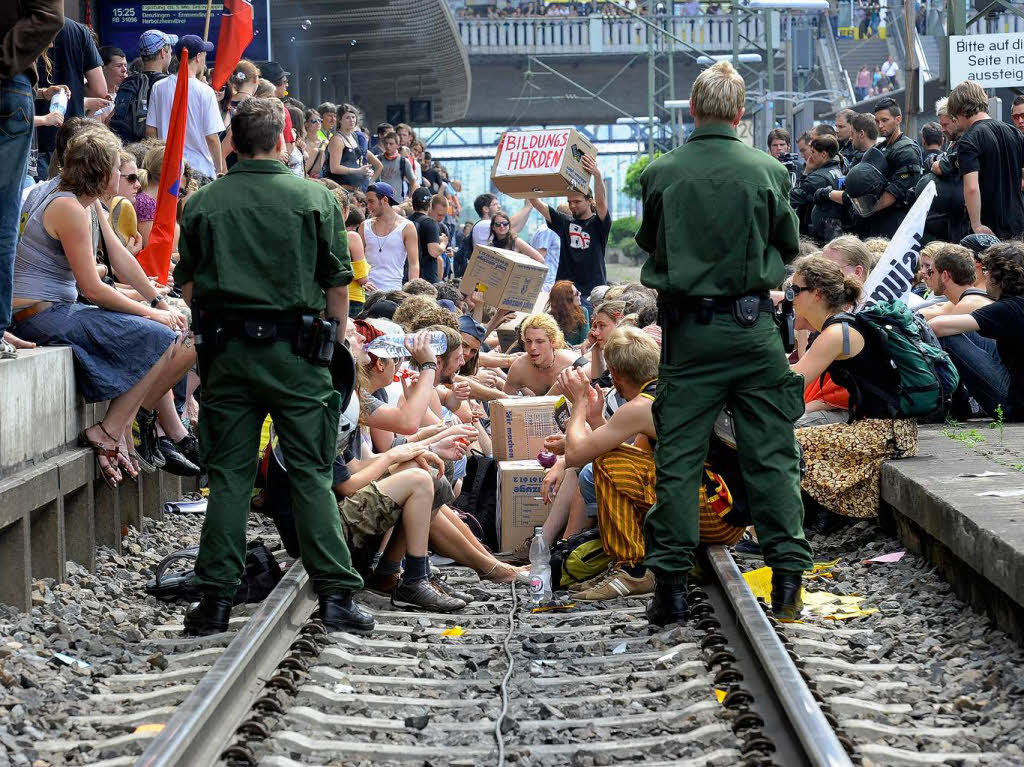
x: 546, y: 356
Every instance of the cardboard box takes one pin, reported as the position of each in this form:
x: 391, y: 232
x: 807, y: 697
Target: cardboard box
x: 507, y: 280
x: 520, y: 504
x: 542, y: 163
x: 519, y: 426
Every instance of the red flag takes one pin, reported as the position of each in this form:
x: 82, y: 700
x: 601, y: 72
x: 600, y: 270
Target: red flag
x: 235, y: 36
x: 156, y: 257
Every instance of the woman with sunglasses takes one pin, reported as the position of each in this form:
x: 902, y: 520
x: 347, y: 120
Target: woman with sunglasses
x: 503, y: 237
x: 316, y: 147
x: 844, y: 460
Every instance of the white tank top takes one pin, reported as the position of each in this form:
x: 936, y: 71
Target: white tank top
x: 386, y: 255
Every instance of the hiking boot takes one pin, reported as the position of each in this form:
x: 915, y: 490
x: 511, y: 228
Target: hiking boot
x: 590, y: 582
x: 339, y: 613
x: 423, y: 595
x: 383, y: 583
x: 618, y: 584
x: 209, y: 615
x: 787, y: 603
x: 144, y: 436
x: 520, y: 555
x: 668, y: 604
x: 174, y: 462
x: 439, y: 582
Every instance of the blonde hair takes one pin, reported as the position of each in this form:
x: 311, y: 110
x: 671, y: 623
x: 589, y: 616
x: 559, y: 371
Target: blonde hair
x: 931, y: 250
x: 876, y: 247
x: 942, y: 107
x: 410, y: 309
x: 718, y: 93
x: 153, y: 162
x: 546, y: 323
x: 89, y: 161
x: 853, y: 252
x: 632, y: 354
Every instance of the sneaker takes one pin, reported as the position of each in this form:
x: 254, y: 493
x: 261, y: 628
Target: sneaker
x: 188, y: 446
x: 747, y: 548
x: 617, y: 585
x: 439, y: 582
x: 145, y: 438
x: 7, y: 349
x: 520, y: 555
x: 174, y: 462
x: 589, y: 583
x: 383, y: 583
x: 423, y: 595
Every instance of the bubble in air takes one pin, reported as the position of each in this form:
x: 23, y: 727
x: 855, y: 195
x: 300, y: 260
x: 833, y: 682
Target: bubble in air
x: 306, y: 24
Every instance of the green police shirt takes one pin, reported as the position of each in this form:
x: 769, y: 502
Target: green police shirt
x: 716, y: 218
x: 261, y: 238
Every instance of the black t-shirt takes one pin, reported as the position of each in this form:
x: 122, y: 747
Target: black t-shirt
x: 1003, y: 320
x: 582, y: 251
x: 433, y: 177
x: 428, y: 232
x: 996, y: 151
x: 74, y: 54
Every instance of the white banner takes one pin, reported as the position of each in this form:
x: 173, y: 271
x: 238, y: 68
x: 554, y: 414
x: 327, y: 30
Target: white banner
x: 531, y: 153
x: 893, y: 277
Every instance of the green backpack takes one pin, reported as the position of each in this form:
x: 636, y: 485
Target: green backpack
x: 578, y: 558
x: 902, y: 372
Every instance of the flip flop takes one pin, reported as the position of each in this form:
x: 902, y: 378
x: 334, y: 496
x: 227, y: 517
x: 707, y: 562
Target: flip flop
x: 169, y: 588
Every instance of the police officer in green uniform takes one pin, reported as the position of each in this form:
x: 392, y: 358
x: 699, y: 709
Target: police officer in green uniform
x: 263, y: 254
x: 719, y: 226
x: 903, y: 160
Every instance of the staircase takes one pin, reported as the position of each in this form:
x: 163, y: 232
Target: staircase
x: 857, y: 53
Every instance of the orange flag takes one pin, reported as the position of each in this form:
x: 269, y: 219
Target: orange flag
x: 156, y: 257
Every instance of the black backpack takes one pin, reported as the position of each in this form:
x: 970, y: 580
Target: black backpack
x: 132, y: 106
x: 479, y: 497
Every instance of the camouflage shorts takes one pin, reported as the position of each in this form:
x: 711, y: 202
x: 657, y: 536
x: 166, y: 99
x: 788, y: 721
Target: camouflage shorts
x: 366, y: 515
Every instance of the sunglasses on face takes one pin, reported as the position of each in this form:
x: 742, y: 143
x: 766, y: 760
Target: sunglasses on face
x: 132, y: 178
x: 501, y: 224
x: 316, y: 121
x: 798, y: 289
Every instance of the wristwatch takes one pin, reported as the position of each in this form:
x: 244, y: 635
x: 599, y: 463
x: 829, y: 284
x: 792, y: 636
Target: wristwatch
x: 156, y: 300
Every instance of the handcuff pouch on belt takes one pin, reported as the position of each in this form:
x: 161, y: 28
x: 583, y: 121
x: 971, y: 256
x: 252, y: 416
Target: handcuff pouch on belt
x: 311, y: 337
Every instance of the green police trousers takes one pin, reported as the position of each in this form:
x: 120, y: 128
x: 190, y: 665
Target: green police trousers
x: 703, y: 368
x: 242, y: 384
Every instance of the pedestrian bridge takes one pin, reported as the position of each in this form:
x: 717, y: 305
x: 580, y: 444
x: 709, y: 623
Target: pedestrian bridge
x: 598, y: 34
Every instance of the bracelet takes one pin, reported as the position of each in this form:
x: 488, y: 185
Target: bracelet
x: 428, y: 366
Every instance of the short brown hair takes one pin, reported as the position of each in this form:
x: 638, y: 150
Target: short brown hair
x: 866, y: 124
x: 420, y: 287
x: 958, y: 261
x: 718, y: 93
x: 392, y: 136
x: 410, y: 309
x: 779, y: 134
x: 826, y: 143
x: 967, y: 99
x: 89, y: 161
x: 256, y: 125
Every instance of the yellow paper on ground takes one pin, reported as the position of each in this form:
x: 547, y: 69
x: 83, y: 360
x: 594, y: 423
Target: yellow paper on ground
x: 820, y: 603
x: 720, y: 694
x: 144, y: 729
x: 454, y: 631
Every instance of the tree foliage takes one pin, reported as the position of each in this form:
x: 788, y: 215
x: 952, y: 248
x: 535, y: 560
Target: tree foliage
x: 631, y: 187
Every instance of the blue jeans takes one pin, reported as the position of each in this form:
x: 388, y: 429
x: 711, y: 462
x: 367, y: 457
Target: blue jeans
x: 981, y: 371
x: 586, y: 484
x: 16, y: 110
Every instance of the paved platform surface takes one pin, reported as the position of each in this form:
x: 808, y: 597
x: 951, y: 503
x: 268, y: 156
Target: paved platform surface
x: 964, y: 495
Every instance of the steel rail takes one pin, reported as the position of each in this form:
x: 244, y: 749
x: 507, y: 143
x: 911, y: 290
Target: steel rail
x: 204, y: 724
x: 817, y: 739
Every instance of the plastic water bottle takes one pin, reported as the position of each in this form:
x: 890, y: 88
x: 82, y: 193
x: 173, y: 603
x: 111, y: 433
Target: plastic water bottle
x: 59, y: 102
x: 395, y: 345
x: 540, y: 568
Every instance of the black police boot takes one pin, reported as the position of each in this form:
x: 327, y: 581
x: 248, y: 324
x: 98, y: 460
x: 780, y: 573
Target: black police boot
x: 668, y: 605
x: 339, y: 613
x: 786, y: 601
x: 208, y: 616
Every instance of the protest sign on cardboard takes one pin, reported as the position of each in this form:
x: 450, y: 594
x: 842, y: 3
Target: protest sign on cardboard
x: 519, y: 426
x: 544, y: 163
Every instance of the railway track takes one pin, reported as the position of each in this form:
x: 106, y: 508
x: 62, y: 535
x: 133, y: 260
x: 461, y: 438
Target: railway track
x: 499, y: 684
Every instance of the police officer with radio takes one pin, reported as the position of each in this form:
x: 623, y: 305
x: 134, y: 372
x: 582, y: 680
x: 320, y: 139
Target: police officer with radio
x: 719, y: 227
x: 263, y: 255
x: 902, y: 172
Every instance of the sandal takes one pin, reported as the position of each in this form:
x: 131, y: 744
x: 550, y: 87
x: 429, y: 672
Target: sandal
x: 170, y: 588
x: 124, y: 461
x: 110, y: 472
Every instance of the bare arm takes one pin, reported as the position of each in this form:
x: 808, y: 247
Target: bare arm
x: 150, y: 132
x: 337, y: 307
x: 953, y: 325
x: 541, y: 207
x: 522, y: 246
x: 213, y: 142
x: 884, y: 202
x: 412, y: 254
x: 376, y: 164
x: 518, y: 219
x: 95, y: 85
x: 600, y: 193
x: 972, y: 197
